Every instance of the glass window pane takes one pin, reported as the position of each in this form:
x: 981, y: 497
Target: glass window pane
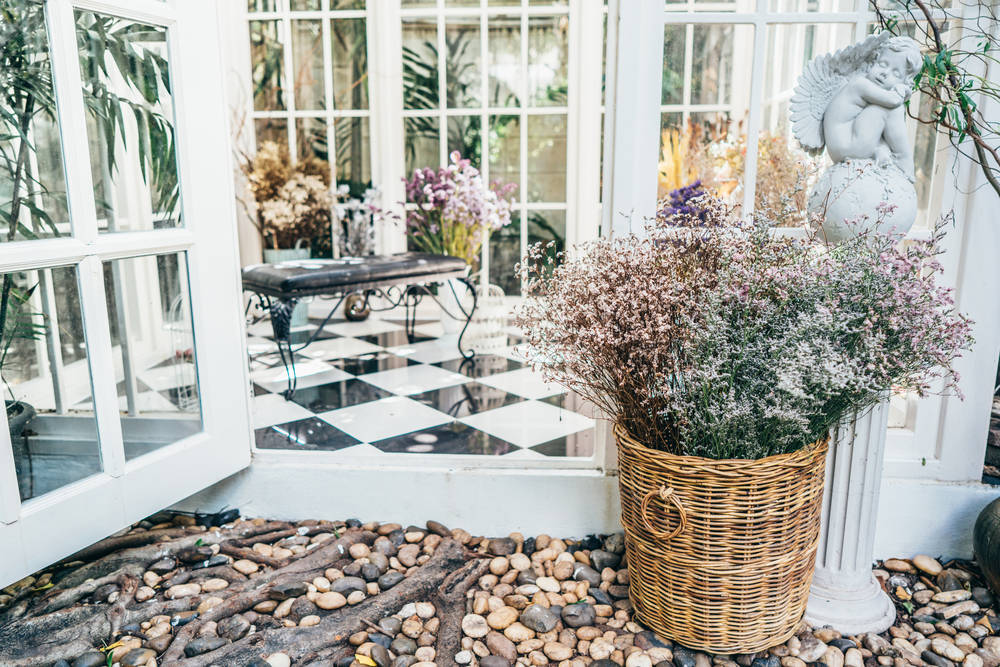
x: 350, y: 63
x: 420, y: 64
x: 712, y: 63
x: 464, y: 137
x: 271, y: 129
x: 548, y: 60
x: 347, y: 4
x: 461, y: 3
x: 811, y: 5
x: 422, y: 143
x: 406, y: 4
x: 307, y: 59
x: 674, y: 37
x: 32, y: 185
x: 546, y: 178
x: 261, y: 5
x: 149, y: 310
x: 548, y: 227
x: 353, y: 141
x: 504, y: 42
x: 268, y: 73
x: 45, y: 368
x: 505, y: 150
x: 305, y: 5
x: 463, y: 65
x: 310, y: 134
x: 505, y: 253
x: 127, y: 87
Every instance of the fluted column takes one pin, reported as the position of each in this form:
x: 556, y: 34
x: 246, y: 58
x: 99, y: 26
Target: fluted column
x: 845, y: 593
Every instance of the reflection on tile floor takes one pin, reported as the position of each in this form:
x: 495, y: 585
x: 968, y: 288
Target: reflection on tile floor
x: 366, y: 388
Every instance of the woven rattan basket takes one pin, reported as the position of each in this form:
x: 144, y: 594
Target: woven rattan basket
x: 720, y: 553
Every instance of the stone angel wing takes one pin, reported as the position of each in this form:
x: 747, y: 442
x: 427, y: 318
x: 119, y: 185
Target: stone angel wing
x: 822, y: 78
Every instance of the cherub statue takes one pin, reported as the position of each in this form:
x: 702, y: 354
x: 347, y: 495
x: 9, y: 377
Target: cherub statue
x: 852, y: 102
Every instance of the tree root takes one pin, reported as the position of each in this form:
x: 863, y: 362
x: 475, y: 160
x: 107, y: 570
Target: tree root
x: 332, y: 632
x: 451, y: 609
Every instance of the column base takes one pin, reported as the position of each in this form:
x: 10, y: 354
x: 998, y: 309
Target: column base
x: 853, y: 610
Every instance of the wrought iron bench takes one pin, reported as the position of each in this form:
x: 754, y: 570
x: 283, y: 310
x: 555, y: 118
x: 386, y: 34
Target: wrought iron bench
x: 393, y: 280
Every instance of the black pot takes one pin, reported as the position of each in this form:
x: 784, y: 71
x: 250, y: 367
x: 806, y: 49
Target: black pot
x: 986, y: 543
x: 19, y: 414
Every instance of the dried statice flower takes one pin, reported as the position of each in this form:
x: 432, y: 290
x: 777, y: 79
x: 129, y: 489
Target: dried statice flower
x: 301, y: 209
x: 713, y: 336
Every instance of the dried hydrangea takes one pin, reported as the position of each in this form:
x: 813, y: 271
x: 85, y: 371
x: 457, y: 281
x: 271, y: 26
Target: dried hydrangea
x: 713, y: 336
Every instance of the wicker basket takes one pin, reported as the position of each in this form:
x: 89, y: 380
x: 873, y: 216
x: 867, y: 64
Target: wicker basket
x: 720, y: 553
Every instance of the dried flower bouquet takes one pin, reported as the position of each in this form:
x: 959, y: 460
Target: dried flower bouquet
x: 712, y: 336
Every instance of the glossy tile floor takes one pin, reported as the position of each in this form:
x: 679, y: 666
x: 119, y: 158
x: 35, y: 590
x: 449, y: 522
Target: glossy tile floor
x: 365, y: 388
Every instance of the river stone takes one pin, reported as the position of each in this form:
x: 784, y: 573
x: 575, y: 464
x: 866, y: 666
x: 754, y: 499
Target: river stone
x: 400, y: 661
x: 600, y: 597
x: 502, y: 617
x: 347, y: 585
x: 163, y: 565
x: 370, y: 572
x: 493, y: 661
x: 684, y: 657
x: 601, y: 559
x: 947, y: 581
x: 927, y: 564
x: 538, y: 618
x: 843, y: 644
x: 390, y: 625
x: 233, y: 628
x: 502, y: 546
x: 812, y: 649
x: 933, y: 658
x: 159, y: 644
x: 137, y: 657
x: 578, y: 615
x: 61, y: 663
x: 769, y: 661
x: 475, y: 626
x: 286, y: 590
x: 949, y: 597
x: 214, y: 561
x: 964, y: 607
x: 201, y: 645
x: 990, y: 658
x: 615, y: 543
x: 588, y: 574
x: 390, y: 579
x: 194, y: 554
x: 90, y: 659
x: 352, y: 569
x: 244, y: 566
x: 558, y: 652
x: 647, y: 639
x: 518, y: 632
x: 403, y: 646
x: 947, y: 650
x: 380, y: 655
x: 501, y: 646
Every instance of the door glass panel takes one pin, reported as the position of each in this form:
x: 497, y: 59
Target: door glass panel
x: 149, y: 310
x: 127, y: 89
x: 46, y: 378
x: 32, y: 185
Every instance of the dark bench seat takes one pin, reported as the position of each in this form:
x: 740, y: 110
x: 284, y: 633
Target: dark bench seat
x: 400, y: 279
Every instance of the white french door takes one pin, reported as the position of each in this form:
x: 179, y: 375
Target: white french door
x: 123, y: 365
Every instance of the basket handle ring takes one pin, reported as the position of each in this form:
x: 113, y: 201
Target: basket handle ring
x: 665, y: 493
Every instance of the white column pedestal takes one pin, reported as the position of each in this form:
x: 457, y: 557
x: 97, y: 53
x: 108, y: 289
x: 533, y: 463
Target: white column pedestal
x: 845, y: 593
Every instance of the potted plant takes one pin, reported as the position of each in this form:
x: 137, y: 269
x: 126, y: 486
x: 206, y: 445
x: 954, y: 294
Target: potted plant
x: 294, y: 208
x: 725, y: 353
x: 452, y: 212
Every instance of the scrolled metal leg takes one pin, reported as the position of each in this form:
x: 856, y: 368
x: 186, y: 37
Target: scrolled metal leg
x: 281, y: 326
x: 468, y: 316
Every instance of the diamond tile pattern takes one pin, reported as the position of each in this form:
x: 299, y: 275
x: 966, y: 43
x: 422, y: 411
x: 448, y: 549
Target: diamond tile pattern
x: 366, y: 389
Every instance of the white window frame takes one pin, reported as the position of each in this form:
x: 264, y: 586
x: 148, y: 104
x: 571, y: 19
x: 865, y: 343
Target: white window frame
x: 923, y: 448
x: 41, y: 530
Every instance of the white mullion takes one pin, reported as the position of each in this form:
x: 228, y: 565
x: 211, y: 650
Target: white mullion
x: 523, y: 135
x: 326, y: 32
x: 442, y: 84
x: 688, y: 68
x: 282, y: 115
x: 285, y: 25
x: 484, y: 139
x: 310, y: 14
x: 101, y: 357
x: 673, y: 18
x: 754, y: 115
x: 72, y: 119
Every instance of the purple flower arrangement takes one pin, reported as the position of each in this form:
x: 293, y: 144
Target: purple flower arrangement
x: 712, y: 336
x: 450, y: 211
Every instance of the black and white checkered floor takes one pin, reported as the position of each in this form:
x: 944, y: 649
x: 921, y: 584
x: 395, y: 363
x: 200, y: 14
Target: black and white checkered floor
x: 366, y: 388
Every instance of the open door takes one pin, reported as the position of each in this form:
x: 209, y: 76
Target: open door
x: 122, y: 350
